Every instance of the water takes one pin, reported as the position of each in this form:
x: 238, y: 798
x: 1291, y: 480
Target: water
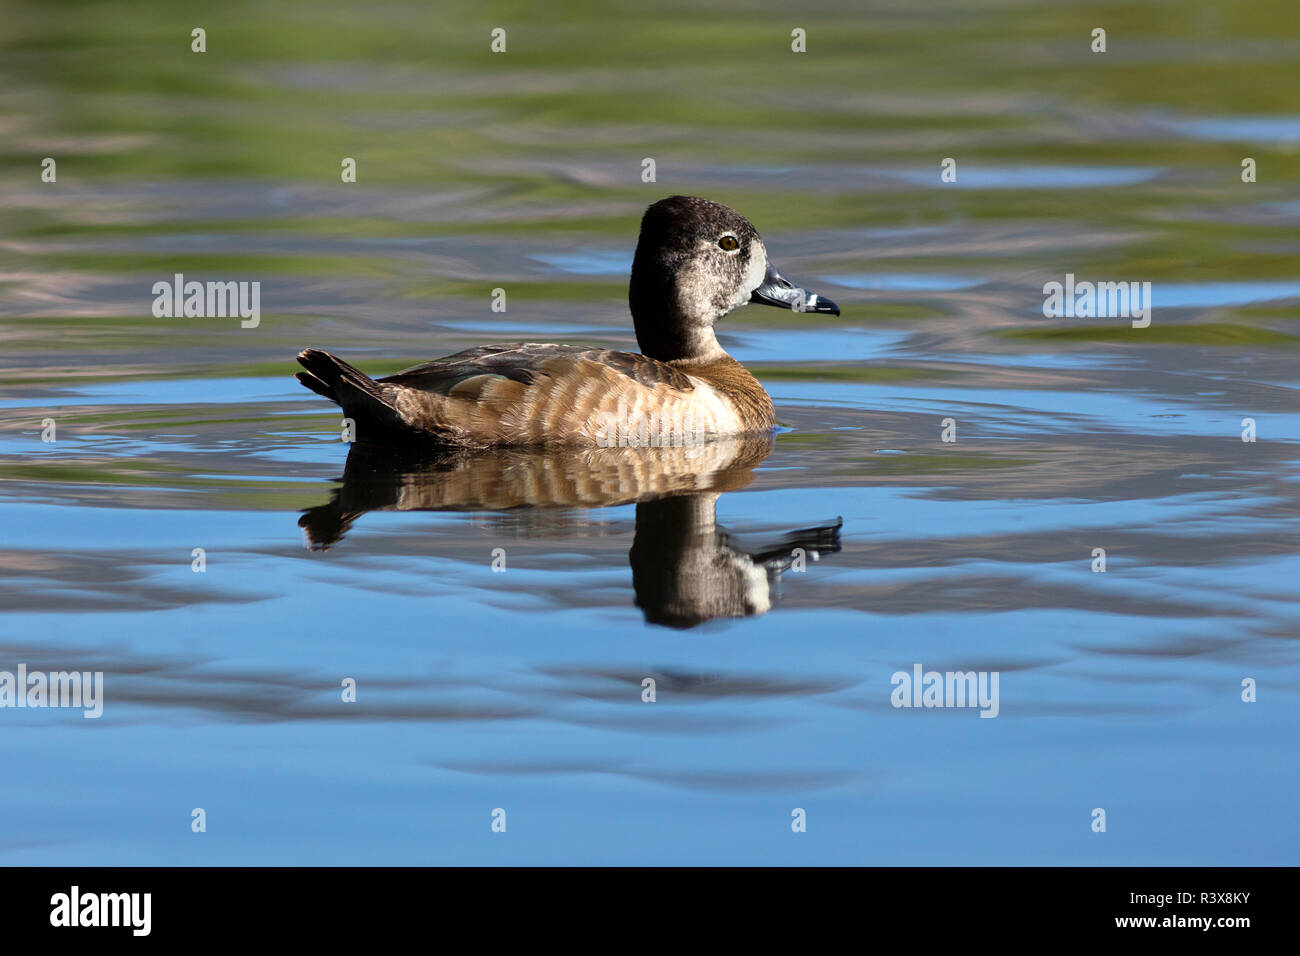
x: 522, y: 690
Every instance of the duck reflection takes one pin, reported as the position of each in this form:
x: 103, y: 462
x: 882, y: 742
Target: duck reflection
x: 686, y: 568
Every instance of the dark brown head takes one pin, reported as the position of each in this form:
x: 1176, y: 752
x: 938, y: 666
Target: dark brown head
x: 696, y: 261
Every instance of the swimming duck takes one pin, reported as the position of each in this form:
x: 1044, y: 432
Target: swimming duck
x: 696, y: 260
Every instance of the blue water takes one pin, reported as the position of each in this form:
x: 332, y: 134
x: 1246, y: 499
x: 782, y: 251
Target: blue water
x: 971, y: 176
x: 522, y: 690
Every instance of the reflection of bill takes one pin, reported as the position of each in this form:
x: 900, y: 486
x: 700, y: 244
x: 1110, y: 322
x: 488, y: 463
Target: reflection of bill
x: 686, y: 568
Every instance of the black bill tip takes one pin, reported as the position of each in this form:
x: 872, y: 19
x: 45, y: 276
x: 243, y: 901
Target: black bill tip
x: 819, y: 303
x: 779, y: 291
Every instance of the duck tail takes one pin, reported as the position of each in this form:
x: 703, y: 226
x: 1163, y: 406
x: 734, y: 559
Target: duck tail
x: 360, y: 396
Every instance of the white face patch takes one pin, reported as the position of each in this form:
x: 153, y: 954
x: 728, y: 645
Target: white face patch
x: 699, y: 283
x: 754, y: 275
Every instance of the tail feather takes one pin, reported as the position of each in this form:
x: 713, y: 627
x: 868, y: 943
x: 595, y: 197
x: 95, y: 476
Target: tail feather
x: 361, y: 397
x: 332, y: 377
x: 315, y: 384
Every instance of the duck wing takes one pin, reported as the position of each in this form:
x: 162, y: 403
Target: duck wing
x: 526, y: 362
x: 526, y: 393
x: 516, y: 394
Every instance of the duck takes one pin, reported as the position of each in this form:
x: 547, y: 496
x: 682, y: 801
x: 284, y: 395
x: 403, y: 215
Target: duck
x: 696, y: 261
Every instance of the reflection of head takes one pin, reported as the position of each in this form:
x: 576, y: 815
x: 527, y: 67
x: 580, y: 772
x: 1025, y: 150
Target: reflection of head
x: 686, y: 569
x: 683, y: 570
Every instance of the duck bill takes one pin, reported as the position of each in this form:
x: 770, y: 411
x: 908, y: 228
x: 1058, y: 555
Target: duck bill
x: 779, y: 291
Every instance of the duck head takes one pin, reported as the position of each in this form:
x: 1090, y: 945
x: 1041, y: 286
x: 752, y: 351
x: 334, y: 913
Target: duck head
x: 697, y: 260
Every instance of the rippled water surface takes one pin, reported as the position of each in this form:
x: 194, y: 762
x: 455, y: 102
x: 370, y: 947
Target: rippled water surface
x: 522, y: 690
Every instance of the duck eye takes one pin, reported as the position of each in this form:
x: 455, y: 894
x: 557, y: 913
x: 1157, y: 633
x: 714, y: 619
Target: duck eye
x: 728, y: 244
